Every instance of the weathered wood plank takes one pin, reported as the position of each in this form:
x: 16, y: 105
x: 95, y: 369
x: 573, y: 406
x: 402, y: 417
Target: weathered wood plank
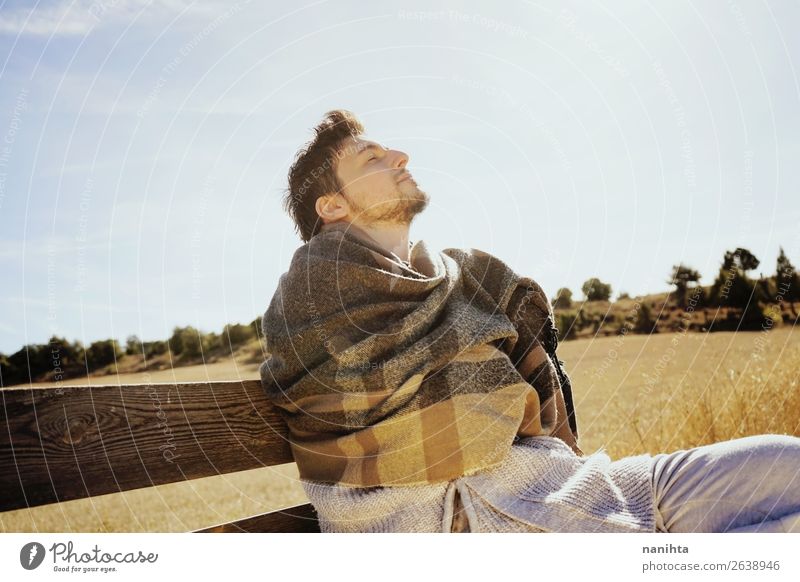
x: 297, y: 519
x: 59, y: 444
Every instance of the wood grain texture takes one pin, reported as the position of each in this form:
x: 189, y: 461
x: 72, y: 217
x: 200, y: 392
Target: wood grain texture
x: 297, y: 519
x: 59, y: 444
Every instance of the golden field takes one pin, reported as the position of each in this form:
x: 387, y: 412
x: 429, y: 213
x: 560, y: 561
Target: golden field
x: 633, y: 394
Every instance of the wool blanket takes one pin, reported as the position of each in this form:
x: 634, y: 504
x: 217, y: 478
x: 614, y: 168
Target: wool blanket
x: 394, y: 373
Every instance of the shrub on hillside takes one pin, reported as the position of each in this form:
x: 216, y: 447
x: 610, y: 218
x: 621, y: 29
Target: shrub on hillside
x: 566, y: 322
x: 102, y: 353
x: 563, y: 299
x: 191, y: 342
x: 155, y: 348
x: 212, y: 341
x: 237, y: 334
x: 645, y: 322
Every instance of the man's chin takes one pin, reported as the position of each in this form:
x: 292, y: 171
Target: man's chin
x: 417, y: 203
x: 404, y: 211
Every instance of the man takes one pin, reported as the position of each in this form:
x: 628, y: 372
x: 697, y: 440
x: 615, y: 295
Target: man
x: 422, y: 391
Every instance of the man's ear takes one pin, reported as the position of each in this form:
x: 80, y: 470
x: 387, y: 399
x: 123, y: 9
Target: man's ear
x: 331, y: 207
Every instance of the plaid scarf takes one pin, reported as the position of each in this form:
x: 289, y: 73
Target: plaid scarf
x: 393, y: 373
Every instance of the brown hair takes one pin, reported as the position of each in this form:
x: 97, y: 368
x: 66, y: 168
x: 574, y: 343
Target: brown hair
x: 313, y: 173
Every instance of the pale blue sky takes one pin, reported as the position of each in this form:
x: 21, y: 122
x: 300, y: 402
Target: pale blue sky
x: 144, y: 149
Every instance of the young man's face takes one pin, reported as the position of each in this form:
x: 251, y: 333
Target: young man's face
x: 377, y: 186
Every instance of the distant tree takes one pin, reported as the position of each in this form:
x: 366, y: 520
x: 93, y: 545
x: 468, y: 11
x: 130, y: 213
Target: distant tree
x: 175, y: 341
x: 64, y: 357
x: 563, y: 299
x: 595, y: 290
x: 41, y: 362
x: 623, y: 295
x: 18, y: 370
x: 133, y: 345
x: 681, y: 276
x: 14, y: 368
x: 732, y: 287
x: 697, y: 297
x: 766, y: 289
x: 787, y: 281
x: 741, y: 259
x: 6, y: 372
x: 80, y: 353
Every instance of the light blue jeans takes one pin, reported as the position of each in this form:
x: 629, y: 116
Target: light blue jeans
x: 749, y: 484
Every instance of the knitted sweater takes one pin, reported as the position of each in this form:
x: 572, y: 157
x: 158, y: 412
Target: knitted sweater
x: 542, y: 486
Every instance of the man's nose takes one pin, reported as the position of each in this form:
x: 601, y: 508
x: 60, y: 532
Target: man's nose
x: 400, y: 159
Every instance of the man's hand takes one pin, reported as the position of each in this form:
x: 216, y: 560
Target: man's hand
x: 548, y: 418
x: 562, y: 430
x: 555, y: 415
x: 539, y: 420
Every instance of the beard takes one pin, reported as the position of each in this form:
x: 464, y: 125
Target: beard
x: 402, y: 209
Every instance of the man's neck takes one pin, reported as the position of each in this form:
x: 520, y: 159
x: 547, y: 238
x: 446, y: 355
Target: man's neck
x: 390, y: 236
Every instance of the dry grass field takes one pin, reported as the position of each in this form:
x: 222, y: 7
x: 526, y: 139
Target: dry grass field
x: 646, y: 394
x: 633, y: 393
